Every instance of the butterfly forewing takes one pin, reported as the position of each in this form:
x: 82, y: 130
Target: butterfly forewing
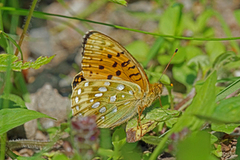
x: 110, y: 100
x: 104, y: 58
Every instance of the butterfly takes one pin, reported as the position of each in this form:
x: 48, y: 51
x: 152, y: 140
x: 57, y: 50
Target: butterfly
x: 112, y: 84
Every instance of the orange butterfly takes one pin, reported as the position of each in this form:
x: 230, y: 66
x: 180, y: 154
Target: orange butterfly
x: 112, y: 84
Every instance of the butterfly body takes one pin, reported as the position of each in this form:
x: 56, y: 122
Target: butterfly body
x: 112, y: 84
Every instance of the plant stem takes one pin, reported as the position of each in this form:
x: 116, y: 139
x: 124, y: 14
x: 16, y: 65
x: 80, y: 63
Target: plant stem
x: 26, y: 24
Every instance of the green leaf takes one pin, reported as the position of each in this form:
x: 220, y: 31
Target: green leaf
x: 11, y: 118
x: 228, y: 90
x: 15, y: 99
x: 151, y: 140
x: 184, y: 74
x: 60, y: 156
x: 203, y: 103
x: 226, y: 128
x: 214, y: 49
x: 19, y: 65
x: 160, y: 115
x: 192, y: 145
x: 139, y: 50
x: 169, y: 22
x: 224, y: 58
x: 154, y: 50
x: 228, y: 110
x: 237, y: 15
x: 118, y: 134
x: 200, y: 61
x: 122, y: 2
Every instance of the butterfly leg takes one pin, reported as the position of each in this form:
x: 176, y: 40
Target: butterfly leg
x: 140, y: 111
x: 139, y: 120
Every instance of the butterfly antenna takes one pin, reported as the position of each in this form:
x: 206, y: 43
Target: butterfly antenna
x: 169, y: 63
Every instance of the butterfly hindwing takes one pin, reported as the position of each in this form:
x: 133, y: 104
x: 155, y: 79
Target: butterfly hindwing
x: 111, y: 100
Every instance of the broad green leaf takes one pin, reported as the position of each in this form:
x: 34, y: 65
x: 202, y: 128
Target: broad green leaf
x: 18, y: 65
x: 11, y: 118
x: 226, y: 128
x: 158, y: 114
x: 196, y: 145
x: 15, y: 99
x: 151, y: 140
x: 170, y: 21
x: 228, y: 110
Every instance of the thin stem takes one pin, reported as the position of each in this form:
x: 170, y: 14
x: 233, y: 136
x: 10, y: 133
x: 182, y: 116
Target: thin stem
x: 26, y: 24
x: 41, y: 15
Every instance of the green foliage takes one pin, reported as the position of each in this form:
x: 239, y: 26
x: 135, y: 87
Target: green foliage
x: 196, y: 145
x: 11, y: 118
x: 18, y: 65
x: 122, y: 2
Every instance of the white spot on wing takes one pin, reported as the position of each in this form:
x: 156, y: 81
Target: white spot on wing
x: 123, y: 96
x: 126, y: 103
x: 77, y: 107
x: 76, y: 99
x: 103, y: 117
x: 102, y: 110
x: 86, y: 84
x: 131, y: 92
x: 79, y: 91
x: 114, y: 110
x: 107, y: 83
x: 102, y: 89
x: 95, y: 105
x: 91, y: 100
x: 113, y: 98
x: 120, y: 87
x: 98, y: 94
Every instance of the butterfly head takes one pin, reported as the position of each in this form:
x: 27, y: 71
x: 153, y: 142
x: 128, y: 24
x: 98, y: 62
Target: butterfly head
x: 157, y: 89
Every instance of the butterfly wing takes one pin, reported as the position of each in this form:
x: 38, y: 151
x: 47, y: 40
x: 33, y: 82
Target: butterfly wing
x: 113, y: 101
x: 105, y: 58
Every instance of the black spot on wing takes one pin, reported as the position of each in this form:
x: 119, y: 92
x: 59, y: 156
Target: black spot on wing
x: 109, y: 77
x: 131, y: 67
x: 124, y: 64
x: 118, y: 55
x: 101, y: 67
x: 109, y: 56
x: 118, y: 73
x: 115, y: 64
x: 77, y: 80
x: 133, y: 75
